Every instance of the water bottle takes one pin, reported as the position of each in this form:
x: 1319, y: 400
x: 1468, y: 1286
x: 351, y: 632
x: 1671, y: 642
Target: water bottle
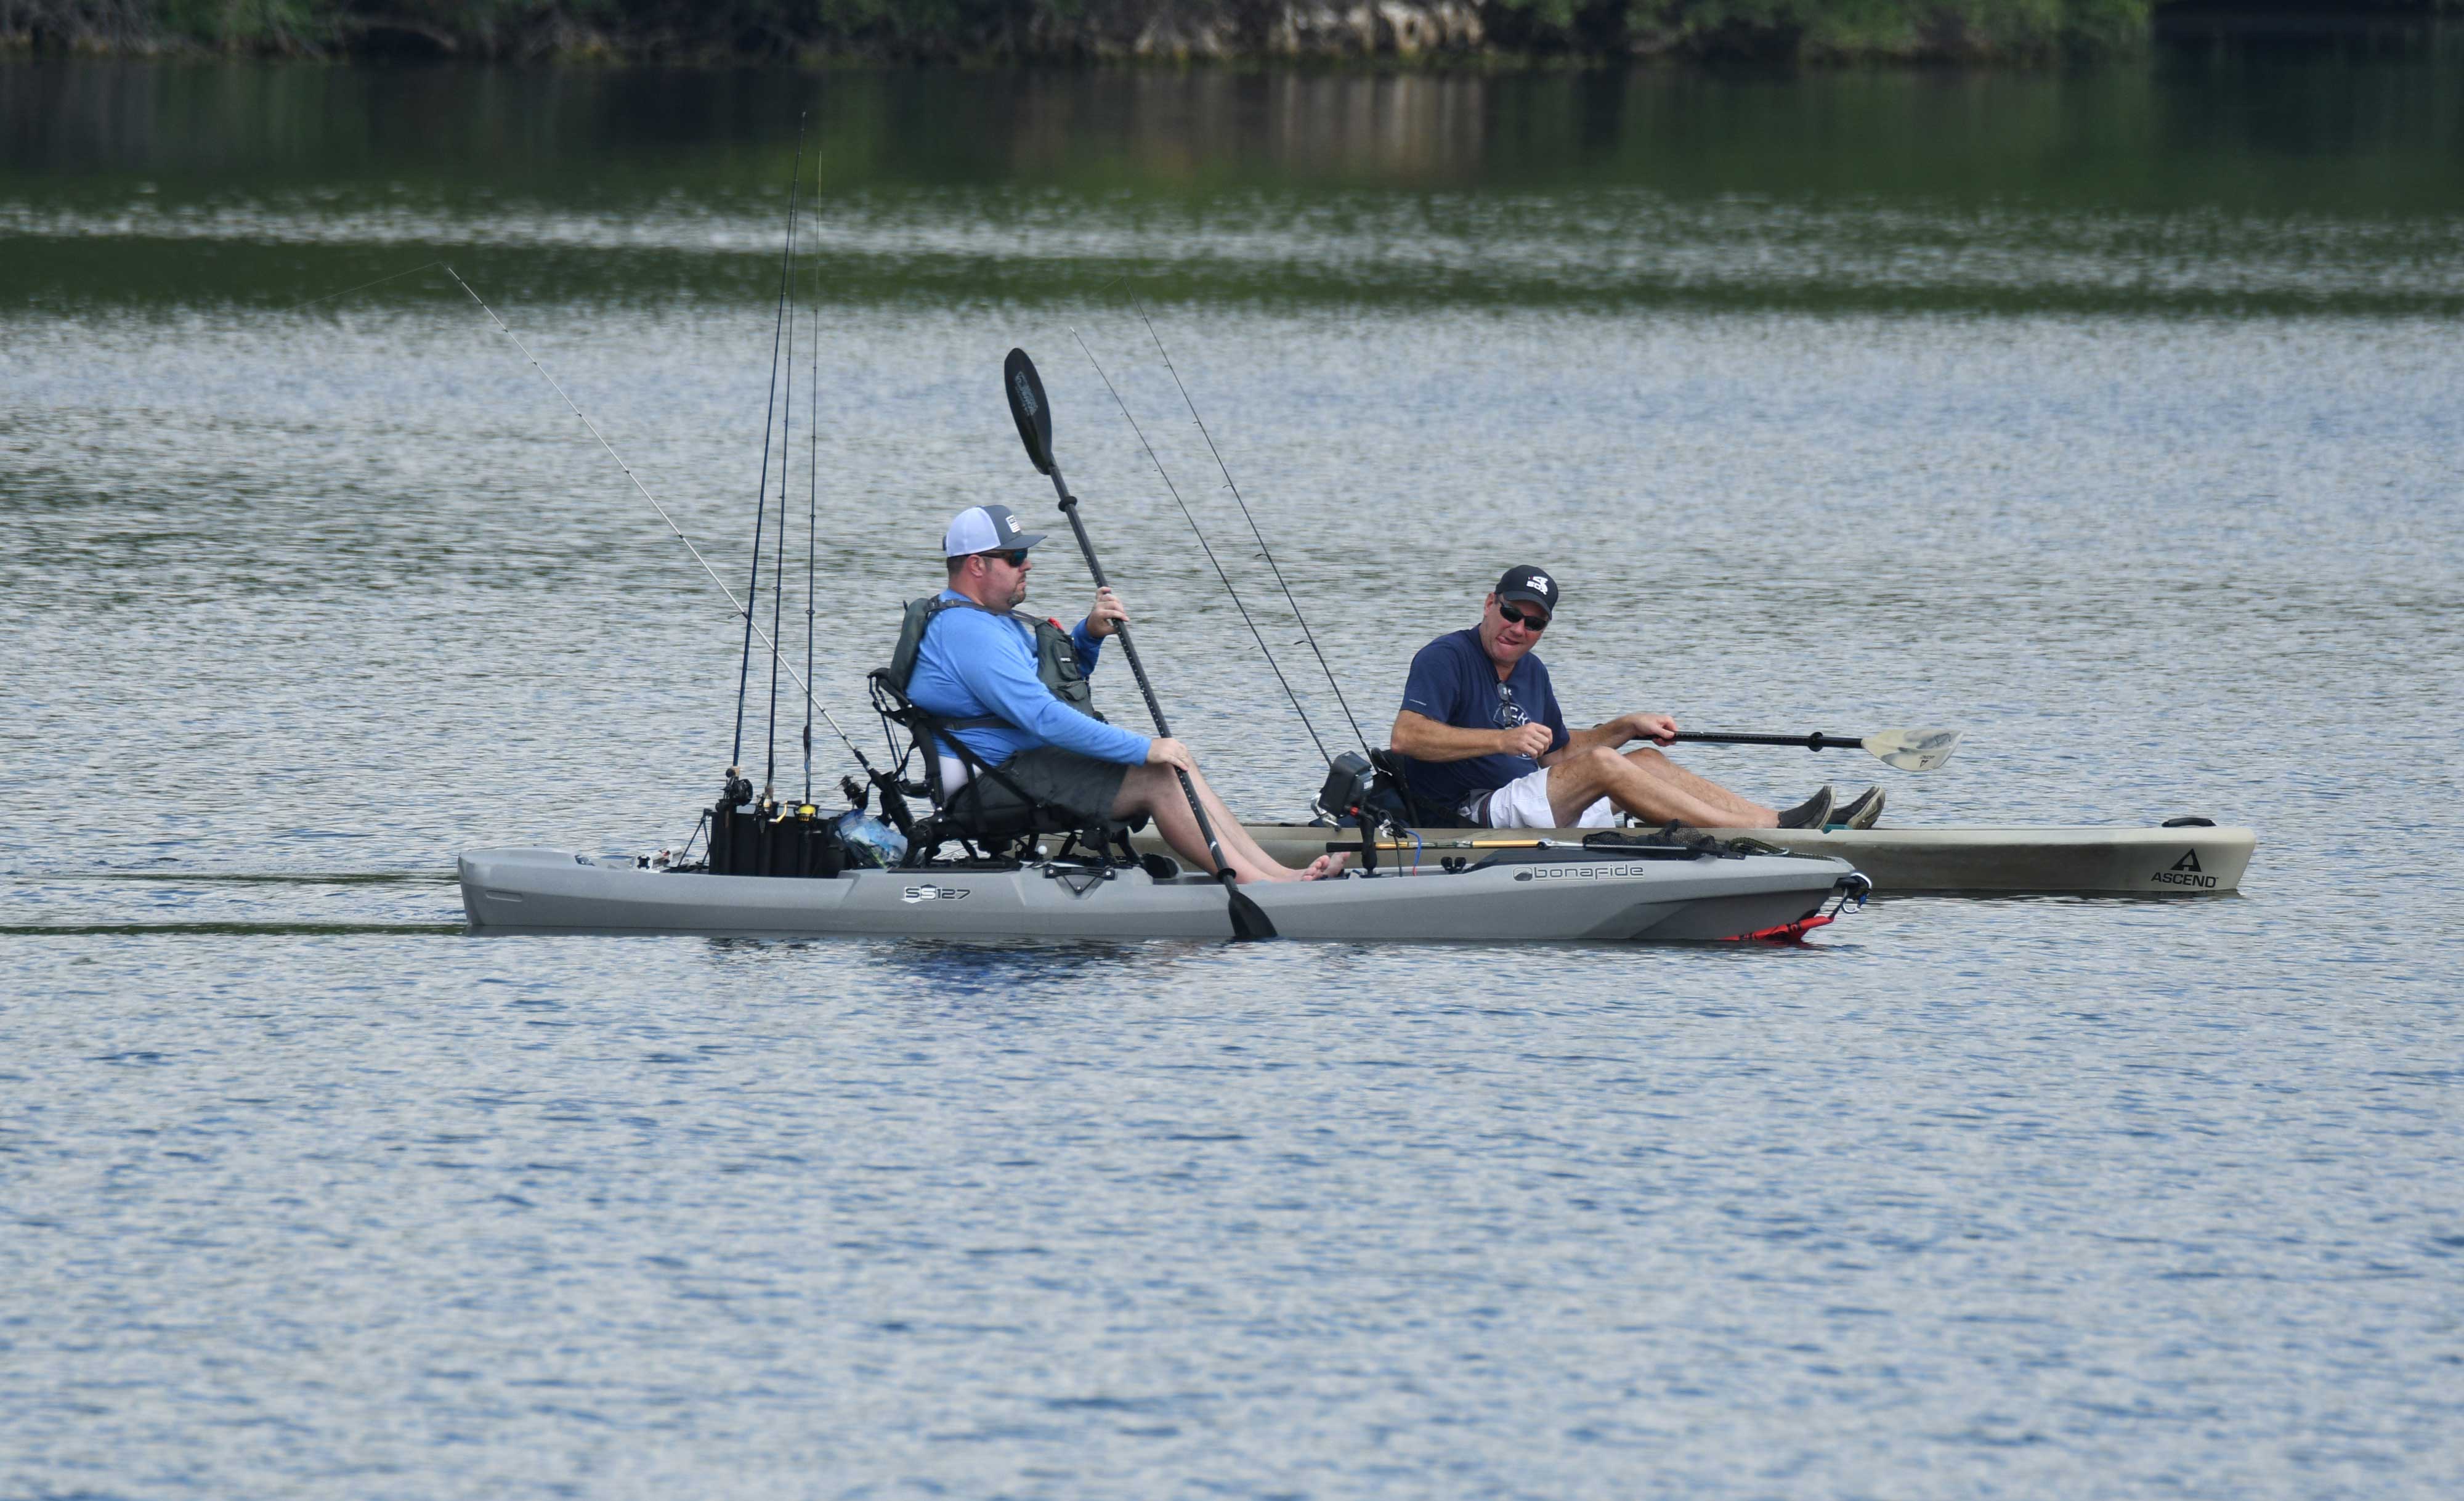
x: 870, y: 842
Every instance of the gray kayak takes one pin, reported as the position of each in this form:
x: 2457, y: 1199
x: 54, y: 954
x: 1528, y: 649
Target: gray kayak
x: 2195, y: 860
x: 1531, y: 896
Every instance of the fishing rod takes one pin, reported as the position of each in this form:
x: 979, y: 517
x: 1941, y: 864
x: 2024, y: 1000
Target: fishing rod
x: 1032, y: 411
x: 1207, y: 548
x: 812, y: 512
x: 786, y: 447
x: 893, y: 799
x: 761, y: 491
x: 361, y: 287
x: 1229, y: 484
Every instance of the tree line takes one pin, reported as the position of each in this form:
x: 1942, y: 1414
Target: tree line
x: 1082, y: 31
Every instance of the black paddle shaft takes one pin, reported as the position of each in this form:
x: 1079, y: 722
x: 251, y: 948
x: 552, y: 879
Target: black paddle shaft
x: 1033, y: 413
x: 1818, y: 740
x: 1138, y: 671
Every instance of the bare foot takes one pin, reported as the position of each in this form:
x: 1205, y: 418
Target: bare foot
x: 1324, y: 866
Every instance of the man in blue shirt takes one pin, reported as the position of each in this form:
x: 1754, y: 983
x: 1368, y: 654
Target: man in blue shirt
x: 979, y: 663
x: 1482, y: 741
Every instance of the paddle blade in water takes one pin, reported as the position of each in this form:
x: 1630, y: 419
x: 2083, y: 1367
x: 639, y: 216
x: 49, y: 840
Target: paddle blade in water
x: 1028, y: 409
x: 1913, y: 750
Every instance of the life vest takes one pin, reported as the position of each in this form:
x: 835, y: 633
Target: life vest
x: 1056, y: 660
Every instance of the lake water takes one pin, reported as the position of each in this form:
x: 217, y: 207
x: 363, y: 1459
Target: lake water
x: 2111, y: 417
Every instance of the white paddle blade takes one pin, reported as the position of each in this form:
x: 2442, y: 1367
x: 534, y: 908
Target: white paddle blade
x: 1913, y: 750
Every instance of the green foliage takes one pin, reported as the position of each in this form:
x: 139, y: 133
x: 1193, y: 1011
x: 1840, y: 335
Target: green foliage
x: 225, y: 23
x: 1558, y: 13
x: 925, y: 28
x: 1843, y: 28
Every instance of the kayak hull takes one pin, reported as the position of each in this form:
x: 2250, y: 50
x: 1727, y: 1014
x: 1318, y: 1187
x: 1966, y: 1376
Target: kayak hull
x: 2139, y: 862
x: 1584, y: 899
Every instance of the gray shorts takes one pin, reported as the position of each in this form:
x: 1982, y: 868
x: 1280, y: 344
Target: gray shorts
x: 1085, y: 786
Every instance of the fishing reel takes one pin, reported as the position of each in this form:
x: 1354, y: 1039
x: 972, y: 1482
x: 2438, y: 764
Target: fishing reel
x: 893, y: 804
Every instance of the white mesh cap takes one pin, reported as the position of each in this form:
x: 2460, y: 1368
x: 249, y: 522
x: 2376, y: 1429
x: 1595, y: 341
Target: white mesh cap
x: 985, y: 528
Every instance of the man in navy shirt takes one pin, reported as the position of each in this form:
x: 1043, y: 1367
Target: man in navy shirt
x: 979, y: 663
x: 1482, y: 741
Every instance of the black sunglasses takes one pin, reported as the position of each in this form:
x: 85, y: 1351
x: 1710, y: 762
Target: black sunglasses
x: 1016, y: 557
x: 1534, y: 622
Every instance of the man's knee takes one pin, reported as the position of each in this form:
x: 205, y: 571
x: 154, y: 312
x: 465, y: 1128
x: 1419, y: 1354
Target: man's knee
x: 1582, y: 774
x: 1646, y: 755
x: 1600, y: 764
x: 1138, y: 788
x: 1158, y: 782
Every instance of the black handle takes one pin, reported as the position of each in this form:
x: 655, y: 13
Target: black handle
x: 1818, y: 740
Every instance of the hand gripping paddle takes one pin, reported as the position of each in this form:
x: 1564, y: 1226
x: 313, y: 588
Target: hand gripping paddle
x: 1033, y: 413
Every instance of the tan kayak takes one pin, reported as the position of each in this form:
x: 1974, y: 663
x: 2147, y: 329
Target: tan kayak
x: 2193, y: 860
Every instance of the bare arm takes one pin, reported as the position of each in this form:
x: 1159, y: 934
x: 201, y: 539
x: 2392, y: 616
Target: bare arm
x: 1615, y: 733
x: 1423, y: 738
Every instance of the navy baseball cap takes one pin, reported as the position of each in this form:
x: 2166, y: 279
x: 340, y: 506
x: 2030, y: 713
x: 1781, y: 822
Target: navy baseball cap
x: 1531, y: 586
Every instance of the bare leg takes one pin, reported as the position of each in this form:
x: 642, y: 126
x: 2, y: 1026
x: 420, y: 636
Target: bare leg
x: 1636, y: 785
x: 1155, y: 792
x: 1744, y: 812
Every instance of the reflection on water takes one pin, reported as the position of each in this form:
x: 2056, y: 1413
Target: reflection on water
x: 2373, y: 136
x: 2335, y: 186
x: 956, y: 971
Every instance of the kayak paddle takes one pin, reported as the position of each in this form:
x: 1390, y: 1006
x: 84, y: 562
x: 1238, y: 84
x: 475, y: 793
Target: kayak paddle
x: 1033, y: 413
x: 1907, y: 750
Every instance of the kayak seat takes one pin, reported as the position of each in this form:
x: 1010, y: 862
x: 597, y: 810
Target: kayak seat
x: 1390, y: 799
x: 1009, y: 832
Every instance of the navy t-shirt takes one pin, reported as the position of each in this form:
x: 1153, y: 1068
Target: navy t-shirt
x: 1454, y: 682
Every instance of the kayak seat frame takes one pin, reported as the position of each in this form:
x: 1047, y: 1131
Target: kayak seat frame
x: 1013, y: 836
x: 1390, y: 799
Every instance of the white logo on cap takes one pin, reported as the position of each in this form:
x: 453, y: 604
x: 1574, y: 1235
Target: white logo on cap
x: 1540, y: 582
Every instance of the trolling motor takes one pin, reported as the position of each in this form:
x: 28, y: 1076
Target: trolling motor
x: 1347, y: 798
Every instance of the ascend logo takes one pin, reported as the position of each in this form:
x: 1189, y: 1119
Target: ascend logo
x: 916, y: 894
x: 2185, y: 872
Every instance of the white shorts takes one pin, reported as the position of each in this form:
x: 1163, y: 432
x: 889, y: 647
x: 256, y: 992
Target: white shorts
x: 1524, y: 804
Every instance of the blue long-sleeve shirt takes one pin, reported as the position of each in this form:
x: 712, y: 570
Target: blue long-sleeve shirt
x: 973, y: 662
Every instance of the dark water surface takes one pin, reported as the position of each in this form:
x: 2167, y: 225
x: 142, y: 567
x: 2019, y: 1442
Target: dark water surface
x: 2111, y: 417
